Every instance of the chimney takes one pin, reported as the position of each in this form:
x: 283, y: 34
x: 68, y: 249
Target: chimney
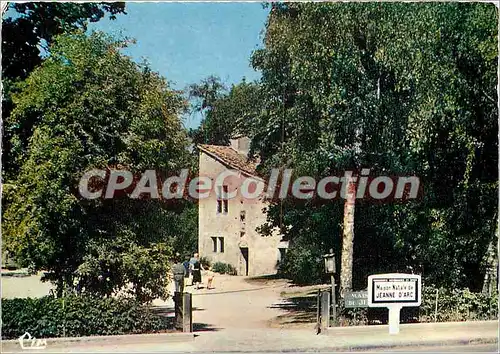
x: 241, y: 144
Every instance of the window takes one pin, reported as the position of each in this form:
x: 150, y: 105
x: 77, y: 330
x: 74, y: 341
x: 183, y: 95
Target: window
x: 219, y: 200
x: 221, y: 244
x: 218, y: 244
x: 222, y: 201
x: 242, y: 233
x: 242, y: 220
x: 224, y: 197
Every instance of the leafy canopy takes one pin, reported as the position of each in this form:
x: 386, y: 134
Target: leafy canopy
x: 227, y: 112
x: 401, y: 89
x: 88, y: 106
x: 26, y: 38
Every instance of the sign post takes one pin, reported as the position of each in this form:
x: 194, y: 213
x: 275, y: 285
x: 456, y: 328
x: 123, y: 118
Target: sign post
x: 394, y: 291
x: 330, y: 269
x: 394, y: 313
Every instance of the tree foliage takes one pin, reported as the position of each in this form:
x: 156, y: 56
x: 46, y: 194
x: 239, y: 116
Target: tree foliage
x: 36, y: 24
x: 402, y: 89
x: 27, y: 35
x: 88, y: 106
x: 227, y: 112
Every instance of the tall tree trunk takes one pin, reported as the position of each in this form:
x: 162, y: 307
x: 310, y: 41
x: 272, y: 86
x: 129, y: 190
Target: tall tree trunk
x: 348, y: 239
x: 490, y: 282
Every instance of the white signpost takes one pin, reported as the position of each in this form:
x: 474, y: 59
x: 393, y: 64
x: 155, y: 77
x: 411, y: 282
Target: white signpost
x: 394, y: 291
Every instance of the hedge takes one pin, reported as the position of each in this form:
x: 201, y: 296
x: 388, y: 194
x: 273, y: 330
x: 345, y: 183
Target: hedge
x: 452, y: 305
x: 457, y: 305
x: 76, y: 316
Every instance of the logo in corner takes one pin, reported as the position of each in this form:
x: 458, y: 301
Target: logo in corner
x: 27, y: 342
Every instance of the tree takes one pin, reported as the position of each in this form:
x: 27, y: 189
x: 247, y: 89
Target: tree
x: 227, y: 113
x: 29, y: 34
x: 91, y: 107
x: 36, y: 24
x: 403, y: 89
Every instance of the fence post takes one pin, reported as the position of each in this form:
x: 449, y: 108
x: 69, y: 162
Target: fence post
x: 318, y: 306
x: 334, y: 303
x: 436, y: 306
x: 187, y: 311
x: 325, y: 309
x: 178, y: 305
x: 64, y: 310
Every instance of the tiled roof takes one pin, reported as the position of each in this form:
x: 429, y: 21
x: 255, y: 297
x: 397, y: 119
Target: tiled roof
x: 230, y: 157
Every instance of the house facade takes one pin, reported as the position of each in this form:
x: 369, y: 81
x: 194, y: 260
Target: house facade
x: 227, y: 226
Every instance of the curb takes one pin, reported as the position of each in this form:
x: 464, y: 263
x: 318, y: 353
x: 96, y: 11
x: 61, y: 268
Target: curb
x: 15, y: 275
x: 353, y: 348
x: 477, y: 338
x: 432, y: 343
x: 417, y: 326
x: 116, y: 339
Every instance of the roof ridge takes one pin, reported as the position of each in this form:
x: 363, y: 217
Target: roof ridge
x: 231, y: 158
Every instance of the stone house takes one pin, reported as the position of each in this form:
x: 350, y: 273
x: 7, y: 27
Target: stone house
x: 227, y: 226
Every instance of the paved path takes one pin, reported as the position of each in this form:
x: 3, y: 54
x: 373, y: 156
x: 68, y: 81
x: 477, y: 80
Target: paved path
x: 235, y: 303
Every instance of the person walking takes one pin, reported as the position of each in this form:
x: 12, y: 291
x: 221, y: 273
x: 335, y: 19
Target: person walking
x: 210, y: 278
x: 187, y: 277
x: 179, y: 273
x: 192, y: 261
x: 196, y: 269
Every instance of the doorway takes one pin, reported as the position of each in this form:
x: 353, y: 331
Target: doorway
x: 244, y: 261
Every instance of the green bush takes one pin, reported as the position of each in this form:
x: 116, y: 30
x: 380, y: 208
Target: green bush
x: 303, y: 265
x: 457, y: 305
x: 205, y: 262
x: 77, y: 316
x: 453, y: 305
x: 224, y: 268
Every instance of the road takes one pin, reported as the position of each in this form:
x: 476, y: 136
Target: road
x: 479, y: 348
x: 185, y: 347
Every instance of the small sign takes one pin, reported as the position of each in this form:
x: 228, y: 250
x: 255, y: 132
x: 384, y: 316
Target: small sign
x: 355, y: 299
x: 394, y: 291
x: 386, y: 289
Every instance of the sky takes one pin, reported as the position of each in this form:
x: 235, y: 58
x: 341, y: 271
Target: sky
x: 186, y: 42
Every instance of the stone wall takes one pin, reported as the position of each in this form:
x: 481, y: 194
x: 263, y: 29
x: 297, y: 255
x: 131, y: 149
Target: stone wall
x: 263, y: 252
